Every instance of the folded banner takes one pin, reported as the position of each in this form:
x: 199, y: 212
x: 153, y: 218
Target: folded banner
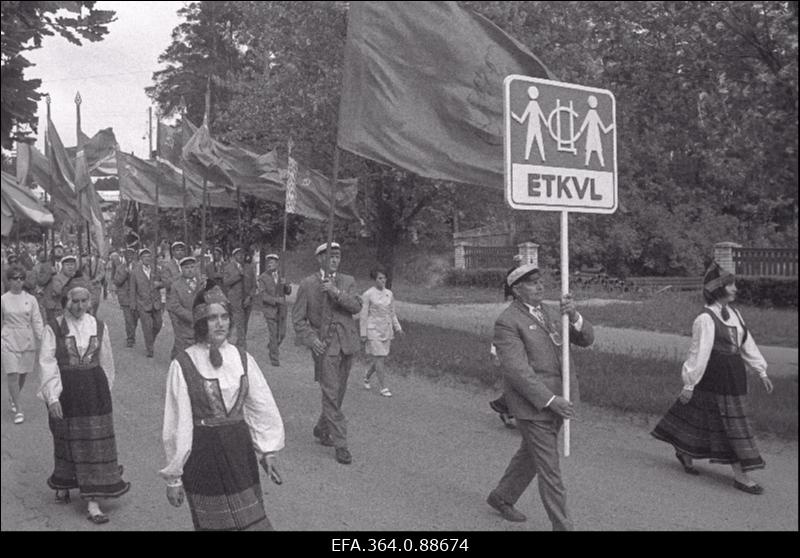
x: 89, y: 203
x: 422, y: 89
x: 233, y: 166
x: 19, y: 201
x: 138, y: 179
x: 34, y: 167
x: 100, y: 151
x: 312, y: 194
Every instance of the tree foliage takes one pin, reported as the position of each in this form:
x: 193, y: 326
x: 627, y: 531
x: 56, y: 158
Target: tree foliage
x: 707, y: 118
x: 24, y: 25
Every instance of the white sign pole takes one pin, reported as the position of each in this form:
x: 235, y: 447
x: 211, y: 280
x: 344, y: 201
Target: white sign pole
x: 565, y: 320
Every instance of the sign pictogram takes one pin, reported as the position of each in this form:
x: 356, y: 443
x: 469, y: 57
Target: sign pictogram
x: 560, y: 146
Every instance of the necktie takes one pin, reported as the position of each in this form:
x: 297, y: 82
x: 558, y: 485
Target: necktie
x: 537, y: 313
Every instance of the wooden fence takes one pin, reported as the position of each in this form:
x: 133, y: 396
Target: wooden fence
x: 765, y: 262
x: 486, y: 257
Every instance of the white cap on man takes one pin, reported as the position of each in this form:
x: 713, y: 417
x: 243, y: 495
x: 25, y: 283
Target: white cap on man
x: 322, y: 248
x: 272, y: 257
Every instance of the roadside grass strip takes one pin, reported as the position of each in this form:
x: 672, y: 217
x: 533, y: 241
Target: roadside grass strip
x: 646, y: 383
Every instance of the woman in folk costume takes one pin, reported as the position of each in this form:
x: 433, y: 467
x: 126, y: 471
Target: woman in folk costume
x: 709, y: 420
x: 77, y: 376
x: 22, y: 329
x: 220, y: 421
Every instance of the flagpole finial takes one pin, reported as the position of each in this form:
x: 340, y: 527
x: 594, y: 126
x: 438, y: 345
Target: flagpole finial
x: 47, y: 98
x: 78, y: 99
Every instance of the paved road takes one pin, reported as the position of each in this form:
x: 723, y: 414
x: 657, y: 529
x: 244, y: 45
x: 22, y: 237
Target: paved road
x: 425, y: 459
x: 479, y: 318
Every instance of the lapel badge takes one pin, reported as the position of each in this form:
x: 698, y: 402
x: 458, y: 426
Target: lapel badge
x: 532, y: 327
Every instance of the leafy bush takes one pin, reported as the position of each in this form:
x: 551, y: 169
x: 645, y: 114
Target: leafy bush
x: 767, y: 292
x: 485, y: 278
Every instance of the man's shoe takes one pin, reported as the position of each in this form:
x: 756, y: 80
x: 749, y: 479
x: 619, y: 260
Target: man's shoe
x: 498, y: 407
x: 324, y: 437
x: 753, y: 489
x: 506, y: 510
x: 343, y: 456
x: 129, y: 344
x: 149, y: 354
x: 275, y: 362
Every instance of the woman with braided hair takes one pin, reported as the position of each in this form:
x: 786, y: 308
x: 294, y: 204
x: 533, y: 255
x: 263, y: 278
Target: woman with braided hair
x: 709, y: 420
x: 220, y: 422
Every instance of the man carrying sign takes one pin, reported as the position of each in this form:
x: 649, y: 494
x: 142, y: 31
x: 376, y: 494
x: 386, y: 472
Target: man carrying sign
x: 528, y: 341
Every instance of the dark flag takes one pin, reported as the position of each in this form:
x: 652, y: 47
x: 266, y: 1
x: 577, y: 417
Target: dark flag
x: 137, y: 181
x: 233, y: 166
x: 308, y: 193
x: 422, y: 89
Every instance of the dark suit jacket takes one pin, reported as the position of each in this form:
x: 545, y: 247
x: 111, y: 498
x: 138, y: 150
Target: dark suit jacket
x: 233, y: 283
x: 169, y: 272
x: 531, y: 361
x: 122, y: 280
x: 145, y: 293
x: 180, y: 300
x: 271, y: 295
x: 316, y: 315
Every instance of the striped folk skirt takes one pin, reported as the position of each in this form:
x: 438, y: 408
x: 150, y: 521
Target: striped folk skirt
x: 714, y: 424
x: 221, y: 480
x: 84, y: 446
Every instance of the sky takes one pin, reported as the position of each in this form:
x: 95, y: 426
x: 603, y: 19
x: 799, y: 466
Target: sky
x: 110, y: 74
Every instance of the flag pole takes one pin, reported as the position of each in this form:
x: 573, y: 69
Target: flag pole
x: 53, y: 202
x: 183, y: 177
x: 332, y: 213
x: 77, y: 193
x: 239, y: 211
x: 565, y: 320
x: 206, y: 113
x: 289, y: 146
x: 158, y: 176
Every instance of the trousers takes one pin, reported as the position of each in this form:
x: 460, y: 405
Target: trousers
x: 538, y: 455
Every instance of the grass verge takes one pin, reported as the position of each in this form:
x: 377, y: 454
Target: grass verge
x: 630, y: 384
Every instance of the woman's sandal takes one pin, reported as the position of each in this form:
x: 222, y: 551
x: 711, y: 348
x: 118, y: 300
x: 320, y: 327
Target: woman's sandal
x: 62, y: 496
x: 686, y: 464
x: 98, y: 518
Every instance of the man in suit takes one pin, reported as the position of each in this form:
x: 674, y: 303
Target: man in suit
x: 180, y: 300
x: 323, y: 321
x: 236, y: 289
x: 215, y: 269
x: 145, y: 294
x: 60, y: 285
x: 273, y: 290
x: 528, y: 341
x: 122, y: 277
x: 171, y: 269
x: 94, y: 270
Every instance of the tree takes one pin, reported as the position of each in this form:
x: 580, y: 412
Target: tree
x: 24, y: 25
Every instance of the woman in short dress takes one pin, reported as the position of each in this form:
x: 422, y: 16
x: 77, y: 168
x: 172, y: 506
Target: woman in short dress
x: 709, y: 420
x: 77, y: 370
x: 378, y: 323
x: 220, y: 421
x: 22, y: 331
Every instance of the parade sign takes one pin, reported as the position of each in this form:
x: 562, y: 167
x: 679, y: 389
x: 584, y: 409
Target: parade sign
x: 560, y: 146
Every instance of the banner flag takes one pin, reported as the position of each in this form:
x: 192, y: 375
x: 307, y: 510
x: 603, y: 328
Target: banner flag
x: 422, y: 89
x: 19, y: 201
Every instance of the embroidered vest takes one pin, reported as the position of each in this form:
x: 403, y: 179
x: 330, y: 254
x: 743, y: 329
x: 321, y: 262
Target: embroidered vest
x: 208, y: 406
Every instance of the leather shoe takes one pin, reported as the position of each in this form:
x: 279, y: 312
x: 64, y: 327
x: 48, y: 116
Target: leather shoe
x: 343, y: 456
x: 754, y: 489
x: 506, y: 510
x: 686, y: 465
x: 324, y: 437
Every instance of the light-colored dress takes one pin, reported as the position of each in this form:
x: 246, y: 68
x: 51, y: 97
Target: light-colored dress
x: 22, y: 331
x: 378, y: 321
x: 215, y: 422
